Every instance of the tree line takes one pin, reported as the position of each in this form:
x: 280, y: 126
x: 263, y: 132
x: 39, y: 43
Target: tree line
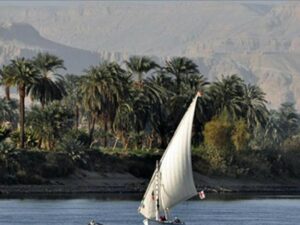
x: 138, y: 105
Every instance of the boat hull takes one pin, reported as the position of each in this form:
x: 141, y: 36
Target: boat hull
x: 155, y: 222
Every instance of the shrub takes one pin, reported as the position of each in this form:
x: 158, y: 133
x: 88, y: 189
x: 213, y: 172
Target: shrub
x: 253, y: 164
x: 30, y: 139
x: 57, y: 165
x: 49, y: 124
x: 240, y: 135
x: 217, y: 133
x: 214, y: 157
x: 5, y: 130
x: 291, y: 155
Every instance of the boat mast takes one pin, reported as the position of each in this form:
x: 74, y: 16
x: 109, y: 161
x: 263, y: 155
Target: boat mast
x: 157, y: 184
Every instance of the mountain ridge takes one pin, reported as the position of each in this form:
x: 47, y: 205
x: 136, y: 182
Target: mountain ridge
x: 260, y: 42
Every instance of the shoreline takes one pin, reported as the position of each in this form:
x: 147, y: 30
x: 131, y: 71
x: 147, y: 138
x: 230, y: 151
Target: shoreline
x: 83, y: 182
x: 135, y: 189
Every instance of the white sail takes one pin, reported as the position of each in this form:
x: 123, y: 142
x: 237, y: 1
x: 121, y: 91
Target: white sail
x: 177, y: 183
x: 148, y: 204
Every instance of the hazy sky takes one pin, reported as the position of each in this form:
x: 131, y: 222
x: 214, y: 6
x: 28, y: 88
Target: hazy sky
x: 78, y: 2
x: 253, y: 39
x: 40, y: 3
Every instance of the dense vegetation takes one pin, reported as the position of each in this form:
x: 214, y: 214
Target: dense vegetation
x: 134, y: 108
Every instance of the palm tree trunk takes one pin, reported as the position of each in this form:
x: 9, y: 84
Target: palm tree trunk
x: 163, y: 142
x: 76, y: 117
x: 126, y: 144
x: 39, y: 143
x: 92, y: 128
x: 162, y: 134
x: 150, y: 141
x: 89, y: 120
x: 22, y: 115
x: 178, y: 81
x: 105, y: 130
x: 7, y: 93
x: 115, y: 144
x: 43, y: 104
x: 140, y: 76
x: 140, y: 79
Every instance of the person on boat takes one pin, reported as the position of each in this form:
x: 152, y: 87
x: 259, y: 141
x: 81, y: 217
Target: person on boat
x: 177, y: 220
x: 162, y: 218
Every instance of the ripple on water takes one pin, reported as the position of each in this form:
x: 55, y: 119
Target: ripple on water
x: 244, y: 211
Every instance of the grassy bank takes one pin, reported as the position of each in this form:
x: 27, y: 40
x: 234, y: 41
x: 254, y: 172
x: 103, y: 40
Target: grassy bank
x: 117, y: 171
x: 40, y: 167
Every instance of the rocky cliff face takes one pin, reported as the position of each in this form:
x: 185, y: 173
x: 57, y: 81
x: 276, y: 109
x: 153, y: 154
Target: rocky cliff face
x: 259, y: 41
x: 22, y: 39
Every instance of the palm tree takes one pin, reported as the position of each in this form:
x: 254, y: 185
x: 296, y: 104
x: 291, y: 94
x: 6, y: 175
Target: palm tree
x: 280, y: 125
x: 192, y: 85
x: 163, y: 79
x: 122, y: 125
x: 273, y: 132
x: 24, y: 74
x: 166, y: 116
x: 119, y: 82
x: 49, y: 124
x: 9, y: 111
x: 91, y: 95
x: 227, y: 94
x: 102, y: 89
x: 195, y: 82
x: 160, y: 112
x: 289, y: 119
x: 73, y: 98
x: 180, y: 68
x: 50, y: 86
x: 143, y: 102
x: 5, y: 72
x: 254, y: 108
x: 139, y: 65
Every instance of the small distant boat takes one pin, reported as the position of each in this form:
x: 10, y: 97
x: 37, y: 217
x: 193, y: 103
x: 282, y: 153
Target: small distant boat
x: 93, y: 222
x: 172, y: 181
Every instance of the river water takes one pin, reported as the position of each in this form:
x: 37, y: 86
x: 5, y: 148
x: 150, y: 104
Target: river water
x: 284, y: 210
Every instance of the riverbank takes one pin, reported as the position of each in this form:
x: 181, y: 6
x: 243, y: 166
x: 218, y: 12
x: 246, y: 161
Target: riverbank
x: 86, y: 182
x: 96, y: 172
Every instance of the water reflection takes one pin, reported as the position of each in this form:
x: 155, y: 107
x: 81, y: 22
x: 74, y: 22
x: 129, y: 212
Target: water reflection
x: 138, y: 196
x: 229, y: 209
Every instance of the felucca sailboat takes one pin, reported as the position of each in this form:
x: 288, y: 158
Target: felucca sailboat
x: 172, y: 181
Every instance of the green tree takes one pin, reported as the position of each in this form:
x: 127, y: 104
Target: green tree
x: 49, y: 124
x: 8, y: 111
x: 5, y: 74
x: 273, y: 134
x: 196, y: 82
x: 217, y: 133
x: 289, y: 119
x: 143, y: 102
x: 50, y: 85
x: 120, y: 90
x: 5, y: 130
x: 73, y: 98
x: 123, y: 126
x: 160, y: 110
x: 181, y: 68
x: 91, y: 93
x: 103, y: 87
x: 227, y: 94
x: 280, y: 125
x: 139, y: 65
x: 24, y: 74
x: 240, y: 135
x: 254, y: 109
